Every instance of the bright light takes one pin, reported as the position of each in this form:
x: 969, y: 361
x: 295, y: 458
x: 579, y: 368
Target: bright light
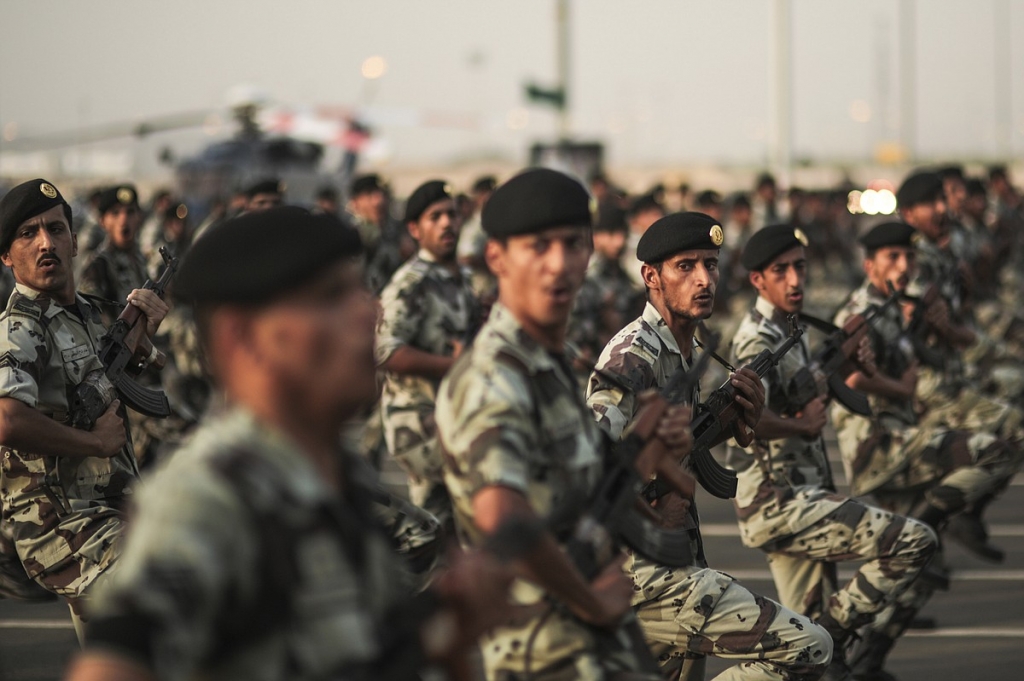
x: 853, y: 202
x: 517, y: 119
x: 869, y: 202
x: 374, y: 67
x: 860, y: 111
x: 886, y: 201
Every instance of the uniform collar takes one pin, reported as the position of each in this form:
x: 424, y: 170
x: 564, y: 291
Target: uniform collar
x: 770, y: 312
x: 654, y: 319
x: 50, y: 307
x: 504, y: 324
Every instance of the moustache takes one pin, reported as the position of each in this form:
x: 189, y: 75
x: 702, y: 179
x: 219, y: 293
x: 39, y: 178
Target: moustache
x: 48, y: 257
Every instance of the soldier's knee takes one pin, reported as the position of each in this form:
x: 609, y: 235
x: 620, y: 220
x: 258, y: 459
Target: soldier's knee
x: 919, y: 541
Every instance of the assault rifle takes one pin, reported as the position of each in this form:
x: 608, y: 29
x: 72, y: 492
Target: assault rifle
x: 124, y: 351
x: 824, y: 373
x: 918, y: 329
x: 716, y: 416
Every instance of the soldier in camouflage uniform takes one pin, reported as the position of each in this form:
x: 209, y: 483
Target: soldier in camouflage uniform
x: 786, y: 502
x: 680, y: 253
x: 387, y: 242
x: 428, y: 314
x: 63, y: 490
x: 609, y: 298
x: 255, y: 553
x: 932, y: 473
x: 519, y: 442
x: 118, y: 266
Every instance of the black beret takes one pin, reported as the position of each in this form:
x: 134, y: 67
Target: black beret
x: 426, y: 194
x: 679, y: 232
x: 487, y: 183
x: 269, y: 185
x: 610, y: 218
x: 975, y: 187
x: 256, y: 257
x: 919, y: 188
x: 708, y: 197
x: 25, y: 201
x: 535, y: 200
x: 120, y: 195
x: 644, y: 203
x: 888, y: 234
x: 365, y: 184
x: 768, y: 243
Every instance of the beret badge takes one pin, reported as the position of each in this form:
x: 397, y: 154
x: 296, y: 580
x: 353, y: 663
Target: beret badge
x: 800, y: 236
x: 716, y: 234
x: 124, y: 195
x: 48, y: 190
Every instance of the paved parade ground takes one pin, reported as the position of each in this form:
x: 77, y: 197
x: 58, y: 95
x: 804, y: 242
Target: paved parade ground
x: 980, y: 621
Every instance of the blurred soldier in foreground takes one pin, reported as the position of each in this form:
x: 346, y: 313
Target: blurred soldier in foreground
x: 519, y: 442
x: 933, y: 473
x: 694, y: 609
x: 787, y: 503
x: 64, y: 491
x: 428, y: 315
x: 255, y: 553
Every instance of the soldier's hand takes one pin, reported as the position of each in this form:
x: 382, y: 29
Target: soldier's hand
x: 909, y: 379
x: 937, y: 315
x: 613, y: 595
x: 674, y: 431
x: 673, y: 510
x: 749, y: 395
x: 866, y: 357
x: 474, y: 589
x: 457, y: 348
x: 813, y: 417
x: 109, y: 428
x: 152, y: 306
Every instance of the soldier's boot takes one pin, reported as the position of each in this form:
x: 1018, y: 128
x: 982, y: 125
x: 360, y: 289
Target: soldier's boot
x: 868, y: 657
x: 968, y: 530
x: 838, y: 669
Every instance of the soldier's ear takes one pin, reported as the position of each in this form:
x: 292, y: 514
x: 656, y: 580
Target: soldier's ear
x: 494, y: 256
x: 757, y: 280
x: 5, y: 258
x: 651, y: 276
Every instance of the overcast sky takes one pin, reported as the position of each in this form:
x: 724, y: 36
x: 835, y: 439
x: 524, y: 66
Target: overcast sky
x: 658, y: 80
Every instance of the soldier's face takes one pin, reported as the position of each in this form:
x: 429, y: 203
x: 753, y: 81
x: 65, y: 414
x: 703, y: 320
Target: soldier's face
x: 437, y: 230
x: 685, y: 283
x: 370, y: 206
x: 318, y: 344
x: 41, y: 252
x: 122, y: 225
x: 892, y: 264
x: 928, y: 217
x: 540, y: 274
x: 261, y: 202
x: 781, y: 282
x: 610, y: 244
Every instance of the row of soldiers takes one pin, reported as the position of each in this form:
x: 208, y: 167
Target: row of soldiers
x: 265, y: 522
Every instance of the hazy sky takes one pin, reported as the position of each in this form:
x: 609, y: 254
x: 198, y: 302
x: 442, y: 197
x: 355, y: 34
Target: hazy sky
x: 658, y: 80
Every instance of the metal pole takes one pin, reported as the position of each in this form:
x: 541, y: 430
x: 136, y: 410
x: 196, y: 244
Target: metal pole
x: 562, y: 24
x: 908, y: 79
x: 783, y: 151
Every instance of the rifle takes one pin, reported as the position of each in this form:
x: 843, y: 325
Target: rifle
x: 918, y: 331
x: 124, y: 350
x: 822, y: 375
x: 719, y: 412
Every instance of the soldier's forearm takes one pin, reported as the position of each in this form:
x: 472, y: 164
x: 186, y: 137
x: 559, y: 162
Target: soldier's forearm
x: 774, y: 427
x: 27, y: 429
x: 409, y: 361
x: 97, y: 666
x: 879, y: 384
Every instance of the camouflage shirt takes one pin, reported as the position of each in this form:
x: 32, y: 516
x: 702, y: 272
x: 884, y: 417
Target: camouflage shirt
x: 938, y: 266
x: 606, y: 301
x: 509, y: 415
x: 113, y: 274
x: 427, y: 307
x: 243, y: 563
x: 771, y: 472
x: 642, y: 356
x: 58, y: 506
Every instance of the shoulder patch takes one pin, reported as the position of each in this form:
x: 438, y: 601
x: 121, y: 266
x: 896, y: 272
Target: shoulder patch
x: 9, y: 361
x: 642, y: 342
x: 27, y: 307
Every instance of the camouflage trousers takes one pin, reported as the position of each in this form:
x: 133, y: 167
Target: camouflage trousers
x: 894, y: 547
x: 967, y: 409
x: 707, y: 612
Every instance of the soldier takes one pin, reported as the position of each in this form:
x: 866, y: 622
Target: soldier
x: 519, y: 442
x: 327, y: 201
x: 609, y: 298
x: 643, y: 211
x: 387, y: 242
x: 255, y: 554
x: 428, y: 315
x: 932, y: 473
x: 118, y: 266
x: 63, y: 490
x: 473, y: 239
x: 264, y: 195
x: 786, y: 502
x: 694, y: 609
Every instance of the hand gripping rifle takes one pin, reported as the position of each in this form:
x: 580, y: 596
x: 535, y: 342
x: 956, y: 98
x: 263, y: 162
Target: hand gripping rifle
x: 719, y: 412
x: 124, y: 351
x: 918, y: 329
x: 825, y: 373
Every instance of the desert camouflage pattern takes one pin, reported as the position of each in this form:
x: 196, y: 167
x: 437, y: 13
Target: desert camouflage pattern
x: 787, y: 506
x: 509, y: 414
x: 889, y: 454
x: 383, y: 249
x: 427, y: 307
x: 695, y: 609
x: 243, y: 563
x: 784, y: 485
x: 113, y: 273
x: 66, y: 514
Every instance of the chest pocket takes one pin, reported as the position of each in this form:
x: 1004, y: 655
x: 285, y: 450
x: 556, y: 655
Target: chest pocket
x: 77, y: 364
